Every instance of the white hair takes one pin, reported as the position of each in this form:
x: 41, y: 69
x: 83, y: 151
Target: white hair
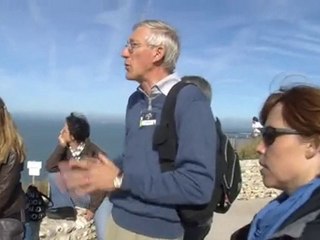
x: 165, y: 35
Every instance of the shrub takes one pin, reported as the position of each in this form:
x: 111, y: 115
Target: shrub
x: 248, y: 151
x: 43, y: 186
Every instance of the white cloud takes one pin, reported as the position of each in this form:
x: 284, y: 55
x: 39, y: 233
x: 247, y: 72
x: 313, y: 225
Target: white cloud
x: 114, y: 18
x: 294, y: 45
x: 240, y: 43
x: 36, y: 13
x: 118, y: 19
x: 146, y: 9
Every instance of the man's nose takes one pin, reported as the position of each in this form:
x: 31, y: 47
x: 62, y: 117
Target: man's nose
x: 125, y: 52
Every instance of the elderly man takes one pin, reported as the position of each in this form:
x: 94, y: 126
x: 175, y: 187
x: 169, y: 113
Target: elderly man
x: 145, y: 198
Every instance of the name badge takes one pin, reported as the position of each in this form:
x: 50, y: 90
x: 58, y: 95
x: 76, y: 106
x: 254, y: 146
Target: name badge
x: 147, y: 119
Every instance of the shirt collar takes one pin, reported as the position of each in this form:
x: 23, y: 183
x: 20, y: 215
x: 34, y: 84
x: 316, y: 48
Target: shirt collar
x: 164, y: 85
x: 167, y: 83
x: 76, y: 153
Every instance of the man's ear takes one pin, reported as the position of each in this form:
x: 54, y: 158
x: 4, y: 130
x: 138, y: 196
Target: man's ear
x: 159, y: 53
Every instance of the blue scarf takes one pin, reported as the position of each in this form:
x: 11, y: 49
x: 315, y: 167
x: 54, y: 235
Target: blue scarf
x: 269, y: 219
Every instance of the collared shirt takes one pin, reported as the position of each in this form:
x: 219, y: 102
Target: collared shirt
x: 76, y: 152
x: 164, y: 85
x: 161, y: 87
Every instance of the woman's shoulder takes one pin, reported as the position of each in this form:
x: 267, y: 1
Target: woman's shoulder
x: 93, y: 148
x: 12, y: 158
x: 12, y: 163
x: 305, y: 221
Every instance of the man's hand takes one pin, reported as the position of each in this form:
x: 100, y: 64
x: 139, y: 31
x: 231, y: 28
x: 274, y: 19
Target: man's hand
x: 88, y: 215
x: 89, y: 175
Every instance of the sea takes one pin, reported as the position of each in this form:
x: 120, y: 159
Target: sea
x: 40, y: 135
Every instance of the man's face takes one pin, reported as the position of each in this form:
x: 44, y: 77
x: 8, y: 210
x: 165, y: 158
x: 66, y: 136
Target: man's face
x: 138, y: 55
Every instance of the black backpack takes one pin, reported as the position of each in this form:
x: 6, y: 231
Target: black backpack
x: 229, y: 182
x: 36, y: 204
x: 227, y: 174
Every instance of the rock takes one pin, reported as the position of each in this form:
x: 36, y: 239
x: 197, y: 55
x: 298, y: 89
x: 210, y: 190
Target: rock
x: 55, y: 229
x: 252, y: 185
x: 82, y: 229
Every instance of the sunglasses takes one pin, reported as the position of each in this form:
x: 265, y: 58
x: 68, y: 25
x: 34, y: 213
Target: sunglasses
x: 269, y: 134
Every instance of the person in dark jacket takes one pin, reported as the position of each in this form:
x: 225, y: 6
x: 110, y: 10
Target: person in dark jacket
x: 290, y: 161
x: 73, y: 143
x: 12, y: 156
x: 199, y: 232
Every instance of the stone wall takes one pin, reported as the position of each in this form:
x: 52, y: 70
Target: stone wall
x: 67, y: 229
x: 82, y: 229
x: 252, y: 185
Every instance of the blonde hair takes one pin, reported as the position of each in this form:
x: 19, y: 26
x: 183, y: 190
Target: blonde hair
x: 10, y: 139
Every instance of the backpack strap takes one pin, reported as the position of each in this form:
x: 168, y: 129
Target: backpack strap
x: 47, y: 200
x: 218, y: 125
x: 165, y: 139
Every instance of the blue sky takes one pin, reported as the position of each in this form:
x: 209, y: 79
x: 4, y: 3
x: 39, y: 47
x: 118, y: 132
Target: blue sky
x: 60, y: 56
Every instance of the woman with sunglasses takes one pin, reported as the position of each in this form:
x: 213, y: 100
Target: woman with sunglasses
x: 290, y: 161
x: 12, y: 155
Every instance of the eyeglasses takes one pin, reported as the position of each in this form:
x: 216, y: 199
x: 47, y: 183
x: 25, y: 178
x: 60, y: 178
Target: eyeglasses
x: 269, y: 134
x: 131, y: 46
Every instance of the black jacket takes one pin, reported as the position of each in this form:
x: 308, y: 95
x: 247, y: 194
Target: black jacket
x: 303, y: 224
x: 12, y: 202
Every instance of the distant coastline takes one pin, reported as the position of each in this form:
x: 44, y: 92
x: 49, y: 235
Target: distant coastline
x: 40, y: 135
